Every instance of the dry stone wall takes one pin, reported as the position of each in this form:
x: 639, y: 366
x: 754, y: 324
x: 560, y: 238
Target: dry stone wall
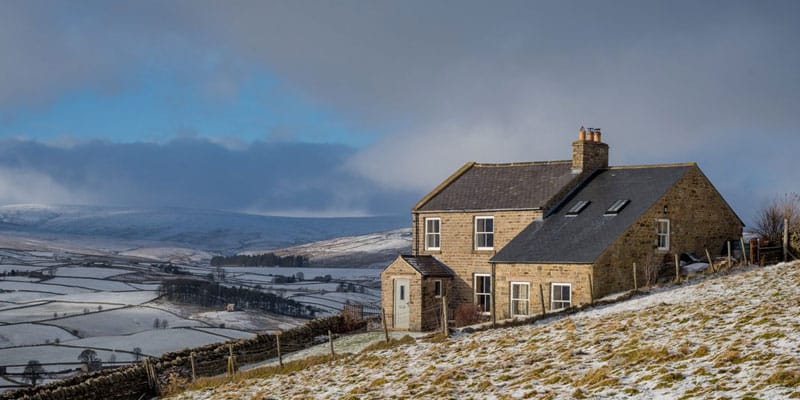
x: 131, y: 383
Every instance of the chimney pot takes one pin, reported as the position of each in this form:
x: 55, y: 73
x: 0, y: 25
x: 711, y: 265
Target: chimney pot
x: 582, y: 134
x: 597, y: 135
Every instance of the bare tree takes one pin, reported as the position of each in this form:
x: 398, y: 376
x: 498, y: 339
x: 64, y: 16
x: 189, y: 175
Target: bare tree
x: 33, y: 372
x: 137, y: 353
x: 769, y: 220
x: 90, y: 358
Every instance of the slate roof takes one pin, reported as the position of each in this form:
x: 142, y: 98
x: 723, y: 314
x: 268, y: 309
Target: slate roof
x: 583, y: 238
x: 500, y: 187
x: 428, y: 266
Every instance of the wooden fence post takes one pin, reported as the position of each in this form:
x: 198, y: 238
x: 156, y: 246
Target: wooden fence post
x: 785, y: 239
x: 231, y: 361
x: 278, y: 344
x: 541, y: 297
x: 192, y: 361
x: 385, y: 326
x: 445, y: 330
x: 330, y: 340
x: 710, y: 262
x: 677, y: 269
x: 729, y: 254
x: 744, y: 254
x: 635, y: 282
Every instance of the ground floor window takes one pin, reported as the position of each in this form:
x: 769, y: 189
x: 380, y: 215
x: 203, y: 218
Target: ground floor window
x: 561, y: 296
x: 520, y: 298
x: 483, y: 292
x: 437, y: 288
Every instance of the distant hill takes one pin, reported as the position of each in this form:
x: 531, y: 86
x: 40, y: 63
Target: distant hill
x: 207, y: 230
x: 370, y: 250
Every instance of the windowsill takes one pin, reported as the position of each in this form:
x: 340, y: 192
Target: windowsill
x: 664, y: 250
x: 434, y: 249
x: 484, y: 249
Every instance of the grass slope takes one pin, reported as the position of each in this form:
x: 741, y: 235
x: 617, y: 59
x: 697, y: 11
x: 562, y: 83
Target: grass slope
x: 734, y: 336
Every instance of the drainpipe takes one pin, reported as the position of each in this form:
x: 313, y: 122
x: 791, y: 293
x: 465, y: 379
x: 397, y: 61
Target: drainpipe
x: 494, y: 296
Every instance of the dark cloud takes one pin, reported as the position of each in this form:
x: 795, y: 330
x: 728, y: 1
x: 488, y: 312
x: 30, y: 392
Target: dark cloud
x: 271, y: 178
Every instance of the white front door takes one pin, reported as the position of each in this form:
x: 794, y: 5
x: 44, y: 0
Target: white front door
x: 400, y: 303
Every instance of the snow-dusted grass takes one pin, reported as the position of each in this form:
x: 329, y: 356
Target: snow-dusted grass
x: 30, y: 334
x: 732, y: 336
x: 121, y: 321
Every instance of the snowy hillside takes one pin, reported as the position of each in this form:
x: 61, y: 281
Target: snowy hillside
x: 733, y: 336
x: 374, y: 249
x: 215, y: 231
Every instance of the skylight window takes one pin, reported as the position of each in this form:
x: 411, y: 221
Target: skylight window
x: 577, y: 208
x: 616, y: 207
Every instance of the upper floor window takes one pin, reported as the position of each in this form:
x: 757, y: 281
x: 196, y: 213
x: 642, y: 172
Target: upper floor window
x: 662, y: 233
x: 433, y: 230
x: 484, y: 233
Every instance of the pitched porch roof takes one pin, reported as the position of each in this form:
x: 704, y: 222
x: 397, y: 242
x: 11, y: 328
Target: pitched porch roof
x: 428, y: 266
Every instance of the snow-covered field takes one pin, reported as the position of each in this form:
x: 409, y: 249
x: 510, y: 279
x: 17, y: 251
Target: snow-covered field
x: 374, y: 250
x: 733, y: 336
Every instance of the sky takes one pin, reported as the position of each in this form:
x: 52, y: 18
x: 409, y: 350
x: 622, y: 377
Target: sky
x: 362, y: 107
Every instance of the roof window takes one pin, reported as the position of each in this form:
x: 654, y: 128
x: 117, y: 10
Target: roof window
x: 577, y: 208
x: 616, y: 207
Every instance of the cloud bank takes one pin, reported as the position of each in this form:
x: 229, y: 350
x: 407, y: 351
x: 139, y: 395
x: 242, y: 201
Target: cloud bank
x: 266, y: 178
x: 435, y: 84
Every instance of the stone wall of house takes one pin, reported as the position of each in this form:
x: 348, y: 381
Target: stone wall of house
x: 699, y: 220
x: 540, y: 277
x: 457, y: 244
x: 432, y: 304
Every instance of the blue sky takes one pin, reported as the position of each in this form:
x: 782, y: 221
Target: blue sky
x: 359, y: 108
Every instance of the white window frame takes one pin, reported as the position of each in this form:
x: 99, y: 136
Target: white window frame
x: 437, y: 234
x: 438, y: 282
x: 479, y: 233
x: 553, y: 300
x: 519, y: 299
x: 487, y: 293
x: 664, y: 235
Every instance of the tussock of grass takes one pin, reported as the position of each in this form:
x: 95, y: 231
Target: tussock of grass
x: 785, y: 378
x: 598, y: 377
x: 383, y: 345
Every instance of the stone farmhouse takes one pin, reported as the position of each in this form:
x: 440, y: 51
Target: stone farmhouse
x: 518, y: 238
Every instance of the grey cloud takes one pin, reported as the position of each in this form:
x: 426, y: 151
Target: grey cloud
x: 194, y: 173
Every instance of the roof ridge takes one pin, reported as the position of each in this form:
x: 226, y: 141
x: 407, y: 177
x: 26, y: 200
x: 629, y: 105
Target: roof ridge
x: 667, y: 165
x: 521, y: 163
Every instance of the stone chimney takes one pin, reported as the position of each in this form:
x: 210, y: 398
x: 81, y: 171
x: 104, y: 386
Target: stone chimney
x: 589, y: 152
